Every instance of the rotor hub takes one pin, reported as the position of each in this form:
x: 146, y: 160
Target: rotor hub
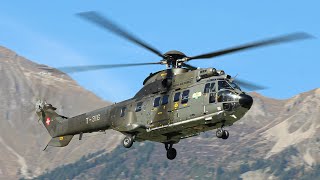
x: 173, y: 58
x: 175, y: 54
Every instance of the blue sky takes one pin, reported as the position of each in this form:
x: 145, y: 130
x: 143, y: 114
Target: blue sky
x: 50, y: 33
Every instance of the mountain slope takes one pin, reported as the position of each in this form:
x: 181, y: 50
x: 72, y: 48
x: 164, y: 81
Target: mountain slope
x: 277, y: 139
x: 22, y: 138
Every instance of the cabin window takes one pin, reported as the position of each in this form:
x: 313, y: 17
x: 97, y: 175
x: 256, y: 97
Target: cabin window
x: 123, y: 111
x: 139, y: 106
x: 156, y: 102
x: 165, y: 99
x: 176, y: 97
x: 185, y: 96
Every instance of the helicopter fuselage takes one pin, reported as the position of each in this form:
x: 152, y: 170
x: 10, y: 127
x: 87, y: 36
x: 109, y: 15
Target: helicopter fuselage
x: 196, y: 101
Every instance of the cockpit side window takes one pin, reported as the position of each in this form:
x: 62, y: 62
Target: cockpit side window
x: 212, y: 87
x: 212, y: 98
x: 209, y: 87
x: 206, y: 88
x: 185, y: 96
x: 225, y: 95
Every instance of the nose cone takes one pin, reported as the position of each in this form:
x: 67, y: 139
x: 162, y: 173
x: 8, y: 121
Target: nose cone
x: 245, y: 101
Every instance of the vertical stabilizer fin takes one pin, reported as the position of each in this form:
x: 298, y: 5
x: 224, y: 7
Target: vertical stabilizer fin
x: 49, y: 117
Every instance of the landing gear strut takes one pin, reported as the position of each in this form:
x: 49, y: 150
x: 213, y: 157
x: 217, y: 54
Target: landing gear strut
x: 221, y: 133
x: 171, y: 152
x: 128, y: 141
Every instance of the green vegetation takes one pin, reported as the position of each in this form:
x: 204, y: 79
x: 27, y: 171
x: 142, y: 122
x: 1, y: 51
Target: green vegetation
x: 141, y: 162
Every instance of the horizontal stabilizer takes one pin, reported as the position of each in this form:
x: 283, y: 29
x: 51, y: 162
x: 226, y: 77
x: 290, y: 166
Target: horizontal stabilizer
x: 59, y: 141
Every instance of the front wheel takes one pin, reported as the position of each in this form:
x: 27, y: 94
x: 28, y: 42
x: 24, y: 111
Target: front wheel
x: 219, y: 133
x: 127, y: 141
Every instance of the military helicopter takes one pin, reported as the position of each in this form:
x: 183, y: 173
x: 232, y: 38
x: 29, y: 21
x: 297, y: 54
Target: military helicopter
x: 178, y: 102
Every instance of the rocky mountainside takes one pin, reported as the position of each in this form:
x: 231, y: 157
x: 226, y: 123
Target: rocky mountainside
x: 277, y: 139
x: 22, y: 138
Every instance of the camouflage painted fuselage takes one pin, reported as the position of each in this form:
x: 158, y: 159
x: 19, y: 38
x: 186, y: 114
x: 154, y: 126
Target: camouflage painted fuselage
x: 194, y: 101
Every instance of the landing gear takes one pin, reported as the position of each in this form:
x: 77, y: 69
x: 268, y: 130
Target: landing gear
x: 128, y: 141
x: 171, y: 152
x: 225, y: 134
x: 221, y: 133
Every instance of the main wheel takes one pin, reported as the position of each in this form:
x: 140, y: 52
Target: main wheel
x: 219, y: 133
x: 225, y: 134
x: 171, y: 153
x: 127, y: 141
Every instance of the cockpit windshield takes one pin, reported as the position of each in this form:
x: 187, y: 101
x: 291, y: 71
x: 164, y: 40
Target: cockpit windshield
x: 234, y: 85
x: 224, y: 85
x: 227, y: 85
x: 226, y: 95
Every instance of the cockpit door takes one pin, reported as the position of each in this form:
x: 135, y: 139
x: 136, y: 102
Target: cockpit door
x: 209, y: 95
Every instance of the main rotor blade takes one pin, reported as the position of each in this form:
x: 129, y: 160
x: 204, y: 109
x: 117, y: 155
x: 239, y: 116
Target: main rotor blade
x: 103, y: 22
x: 74, y: 69
x: 248, y: 85
x: 272, y: 41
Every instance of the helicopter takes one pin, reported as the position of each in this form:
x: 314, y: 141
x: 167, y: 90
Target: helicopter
x: 176, y: 103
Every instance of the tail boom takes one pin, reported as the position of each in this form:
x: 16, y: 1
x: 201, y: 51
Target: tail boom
x: 62, y: 129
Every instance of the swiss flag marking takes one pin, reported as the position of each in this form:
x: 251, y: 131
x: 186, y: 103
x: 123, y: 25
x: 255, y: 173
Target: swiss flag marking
x: 48, y: 121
